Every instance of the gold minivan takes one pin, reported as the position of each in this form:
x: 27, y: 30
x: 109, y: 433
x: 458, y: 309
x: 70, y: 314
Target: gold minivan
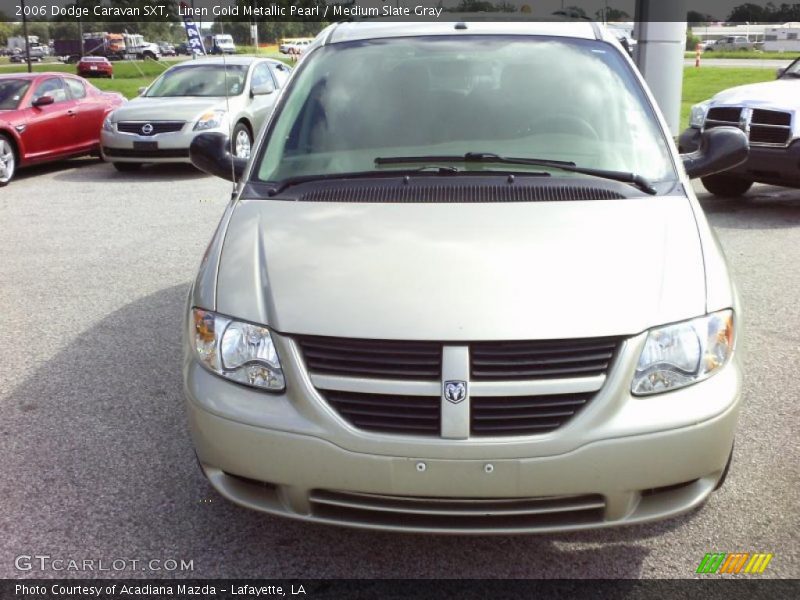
x: 465, y: 286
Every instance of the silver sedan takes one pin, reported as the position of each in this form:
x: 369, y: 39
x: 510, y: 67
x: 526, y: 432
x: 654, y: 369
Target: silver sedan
x: 233, y: 95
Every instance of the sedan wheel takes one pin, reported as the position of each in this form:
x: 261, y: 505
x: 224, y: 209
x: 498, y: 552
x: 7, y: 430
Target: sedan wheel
x: 8, y: 161
x: 242, y: 141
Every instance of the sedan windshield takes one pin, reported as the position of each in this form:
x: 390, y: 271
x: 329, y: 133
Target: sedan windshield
x: 200, y: 80
x: 564, y: 100
x: 11, y: 92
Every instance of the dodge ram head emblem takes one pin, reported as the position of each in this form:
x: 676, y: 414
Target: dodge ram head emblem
x: 455, y: 391
x: 147, y: 129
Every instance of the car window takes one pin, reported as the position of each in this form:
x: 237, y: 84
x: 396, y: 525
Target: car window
x: 76, y: 88
x: 11, y: 92
x: 537, y: 97
x: 281, y: 73
x: 51, y: 87
x: 261, y: 75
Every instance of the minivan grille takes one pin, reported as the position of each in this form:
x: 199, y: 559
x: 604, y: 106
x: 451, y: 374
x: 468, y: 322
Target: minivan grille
x: 372, y: 358
x: 388, y: 413
x: 139, y: 128
x: 523, y: 415
x: 510, y: 361
x: 394, y: 405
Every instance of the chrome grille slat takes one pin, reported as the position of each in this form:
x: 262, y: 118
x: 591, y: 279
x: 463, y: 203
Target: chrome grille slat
x: 158, y: 127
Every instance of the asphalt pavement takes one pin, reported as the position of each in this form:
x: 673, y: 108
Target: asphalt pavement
x: 95, y: 456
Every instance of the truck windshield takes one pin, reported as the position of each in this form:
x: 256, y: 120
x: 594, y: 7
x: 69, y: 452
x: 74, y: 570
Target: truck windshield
x: 200, y: 80
x: 542, y: 97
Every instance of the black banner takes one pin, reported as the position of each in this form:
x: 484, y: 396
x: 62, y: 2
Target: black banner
x: 387, y: 589
x: 250, y: 11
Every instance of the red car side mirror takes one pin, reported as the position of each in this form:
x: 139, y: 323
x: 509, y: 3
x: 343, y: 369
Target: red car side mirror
x: 43, y: 101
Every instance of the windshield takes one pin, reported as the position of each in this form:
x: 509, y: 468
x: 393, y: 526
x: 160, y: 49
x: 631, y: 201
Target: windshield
x: 200, y: 80
x: 525, y: 97
x: 11, y: 92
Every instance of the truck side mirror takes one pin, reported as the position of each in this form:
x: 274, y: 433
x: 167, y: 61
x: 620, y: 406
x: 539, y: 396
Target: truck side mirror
x: 721, y: 148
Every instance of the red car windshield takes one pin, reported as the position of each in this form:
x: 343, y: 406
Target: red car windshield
x: 11, y: 92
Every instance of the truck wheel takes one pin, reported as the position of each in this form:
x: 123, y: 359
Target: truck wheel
x: 8, y: 161
x: 726, y: 185
x: 127, y: 167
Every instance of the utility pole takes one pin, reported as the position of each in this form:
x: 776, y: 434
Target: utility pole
x: 80, y: 28
x: 25, y: 35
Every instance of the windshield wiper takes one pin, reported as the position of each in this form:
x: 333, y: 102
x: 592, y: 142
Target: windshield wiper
x: 489, y: 157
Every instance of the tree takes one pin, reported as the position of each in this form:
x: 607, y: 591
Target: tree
x: 572, y: 12
x: 749, y: 12
x: 612, y: 14
x: 696, y: 19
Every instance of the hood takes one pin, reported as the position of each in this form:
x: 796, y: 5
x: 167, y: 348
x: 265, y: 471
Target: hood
x: 167, y: 109
x: 782, y: 93
x: 460, y: 272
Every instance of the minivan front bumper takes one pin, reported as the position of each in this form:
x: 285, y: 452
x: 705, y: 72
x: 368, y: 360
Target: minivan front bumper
x: 624, y: 460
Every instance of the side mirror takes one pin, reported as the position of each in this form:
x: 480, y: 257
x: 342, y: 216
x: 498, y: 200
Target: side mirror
x: 779, y: 73
x: 210, y: 152
x: 721, y: 148
x: 262, y: 89
x: 43, y: 101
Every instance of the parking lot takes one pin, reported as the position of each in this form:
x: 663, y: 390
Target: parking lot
x: 96, y: 456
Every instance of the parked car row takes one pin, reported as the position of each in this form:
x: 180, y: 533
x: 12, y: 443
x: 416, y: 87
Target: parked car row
x: 50, y: 116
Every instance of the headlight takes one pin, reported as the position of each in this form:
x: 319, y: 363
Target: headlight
x: 107, y: 124
x: 698, y: 117
x: 239, y: 351
x: 213, y: 119
x: 678, y: 355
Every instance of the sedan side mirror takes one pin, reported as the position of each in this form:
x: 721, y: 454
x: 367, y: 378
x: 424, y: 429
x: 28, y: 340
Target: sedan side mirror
x: 262, y: 89
x: 210, y: 152
x: 721, y: 148
x: 43, y: 101
x: 779, y: 73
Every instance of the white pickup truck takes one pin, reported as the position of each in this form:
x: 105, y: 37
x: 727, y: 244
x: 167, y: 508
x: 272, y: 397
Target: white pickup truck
x: 727, y: 44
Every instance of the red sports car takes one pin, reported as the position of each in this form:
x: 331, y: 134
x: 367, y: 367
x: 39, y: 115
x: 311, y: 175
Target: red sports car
x: 95, y: 66
x: 49, y: 116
